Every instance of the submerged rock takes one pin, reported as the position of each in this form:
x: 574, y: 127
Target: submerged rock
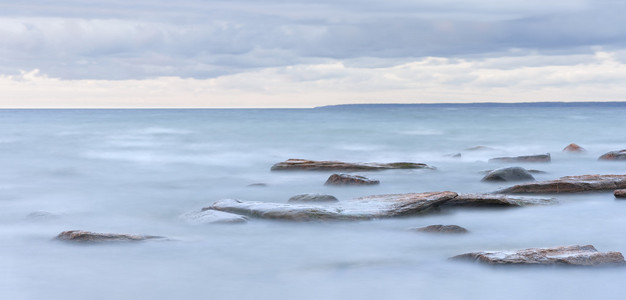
x: 41, y: 215
x: 568, y: 255
x: 86, y: 236
x: 379, y: 206
x: 303, y: 164
x: 614, y: 155
x: 479, y: 148
x: 529, y: 158
x: 495, y: 200
x: 212, y: 217
x: 573, y: 148
x: 257, y: 184
x: 345, y: 179
x: 509, y: 174
x: 312, y: 198
x: 570, y: 184
x: 442, y: 229
x: 620, y: 193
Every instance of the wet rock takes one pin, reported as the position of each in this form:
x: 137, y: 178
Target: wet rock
x: 620, y: 193
x: 573, y: 148
x: 614, y: 155
x: 495, y: 200
x: 570, y: 184
x: 529, y: 158
x: 568, y: 255
x: 312, y: 198
x: 86, y: 236
x: 509, y: 174
x: 442, y: 229
x: 303, y: 164
x: 212, y: 217
x: 345, y: 179
x: 379, y: 206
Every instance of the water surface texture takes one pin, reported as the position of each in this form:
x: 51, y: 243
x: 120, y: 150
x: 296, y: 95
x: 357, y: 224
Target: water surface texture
x: 137, y: 171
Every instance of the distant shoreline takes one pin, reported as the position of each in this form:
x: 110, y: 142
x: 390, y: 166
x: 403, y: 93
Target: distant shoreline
x: 479, y: 104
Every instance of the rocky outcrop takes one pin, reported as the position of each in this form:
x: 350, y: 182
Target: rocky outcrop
x: 86, y: 237
x: 529, y: 158
x: 312, y: 198
x: 614, y: 155
x: 312, y: 165
x: 573, y: 148
x: 380, y: 206
x: 568, y: 255
x: 345, y: 179
x: 620, y: 193
x: 494, y: 200
x: 212, y: 217
x: 509, y: 174
x: 569, y: 184
x: 442, y: 229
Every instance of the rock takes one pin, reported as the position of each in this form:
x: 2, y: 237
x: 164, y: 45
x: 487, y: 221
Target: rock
x: 345, y: 179
x: 570, y: 184
x: 568, y: 255
x: 86, y: 236
x: 442, y: 229
x: 479, y: 148
x: 573, y: 148
x: 257, y: 185
x: 212, y: 217
x: 620, y: 193
x: 303, y: 164
x: 41, y: 215
x: 380, y: 206
x: 508, y: 174
x: 494, y: 200
x: 455, y: 155
x: 614, y: 155
x: 529, y: 158
x: 308, y: 198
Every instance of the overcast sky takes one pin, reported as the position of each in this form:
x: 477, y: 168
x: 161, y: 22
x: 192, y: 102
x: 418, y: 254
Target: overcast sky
x: 273, y: 53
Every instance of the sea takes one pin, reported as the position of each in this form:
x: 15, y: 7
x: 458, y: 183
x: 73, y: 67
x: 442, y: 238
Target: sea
x: 137, y: 171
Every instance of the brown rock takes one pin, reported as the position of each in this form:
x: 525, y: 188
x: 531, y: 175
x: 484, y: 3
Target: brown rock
x: 379, y: 206
x: 303, y: 164
x: 569, y: 255
x: 529, y: 158
x: 442, y: 229
x: 573, y: 148
x: 345, y: 179
x: 620, y: 193
x: 614, y: 155
x: 494, y: 200
x: 86, y: 236
x: 570, y: 184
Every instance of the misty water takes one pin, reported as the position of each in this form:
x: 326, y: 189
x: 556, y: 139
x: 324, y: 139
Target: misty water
x: 138, y: 171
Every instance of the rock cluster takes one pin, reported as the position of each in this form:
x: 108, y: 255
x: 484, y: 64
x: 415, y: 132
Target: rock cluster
x: 568, y: 255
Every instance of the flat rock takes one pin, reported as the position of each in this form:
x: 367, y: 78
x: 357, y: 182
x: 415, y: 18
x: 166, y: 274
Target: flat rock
x: 379, y: 206
x: 529, y: 158
x: 212, y: 217
x: 614, y: 155
x: 312, y: 198
x: 573, y: 148
x: 495, y: 200
x: 312, y: 165
x: 620, y: 193
x: 569, y: 184
x: 509, y: 174
x: 86, y: 236
x: 345, y: 179
x: 442, y: 229
x: 568, y: 255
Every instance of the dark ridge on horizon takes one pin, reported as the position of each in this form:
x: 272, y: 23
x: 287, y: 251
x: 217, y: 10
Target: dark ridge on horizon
x: 479, y: 104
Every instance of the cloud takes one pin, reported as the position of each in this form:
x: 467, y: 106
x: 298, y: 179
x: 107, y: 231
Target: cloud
x: 595, y: 77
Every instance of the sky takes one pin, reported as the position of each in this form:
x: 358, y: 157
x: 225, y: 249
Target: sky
x: 279, y: 53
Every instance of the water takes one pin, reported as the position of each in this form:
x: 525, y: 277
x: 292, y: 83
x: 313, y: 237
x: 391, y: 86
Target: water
x: 137, y: 171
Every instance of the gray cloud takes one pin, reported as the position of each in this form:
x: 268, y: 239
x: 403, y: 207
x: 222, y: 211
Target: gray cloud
x: 74, y: 39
